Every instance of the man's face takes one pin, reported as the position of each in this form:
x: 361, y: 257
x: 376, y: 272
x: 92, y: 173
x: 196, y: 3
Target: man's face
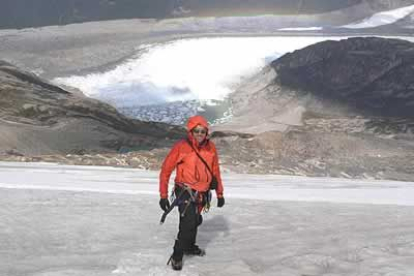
x: 199, y: 133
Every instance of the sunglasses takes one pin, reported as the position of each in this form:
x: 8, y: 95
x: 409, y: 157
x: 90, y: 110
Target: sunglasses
x: 199, y: 131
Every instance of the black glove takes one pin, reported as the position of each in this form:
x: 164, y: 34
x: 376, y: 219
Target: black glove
x: 164, y: 204
x: 220, y: 202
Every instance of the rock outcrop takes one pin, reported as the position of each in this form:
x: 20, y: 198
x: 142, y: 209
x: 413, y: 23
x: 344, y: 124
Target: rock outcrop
x: 37, y: 117
x: 371, y: 76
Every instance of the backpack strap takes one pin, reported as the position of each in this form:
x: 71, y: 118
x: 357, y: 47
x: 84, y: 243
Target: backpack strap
x: 201, y: 158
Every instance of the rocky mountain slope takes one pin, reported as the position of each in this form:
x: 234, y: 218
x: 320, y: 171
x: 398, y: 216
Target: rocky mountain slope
x: 368, y: 77
x: 334, y: 108
x: 371, y: 76
x: 39, y: 118
x: 405, y: 23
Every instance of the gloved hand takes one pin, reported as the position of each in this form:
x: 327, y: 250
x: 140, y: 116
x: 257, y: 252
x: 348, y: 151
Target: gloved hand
x: 164, y: 204
x: 220, y: 202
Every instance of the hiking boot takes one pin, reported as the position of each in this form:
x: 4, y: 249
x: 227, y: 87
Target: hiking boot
x: 176, y: 262
x: 195, y: 251
x: 176, y: 258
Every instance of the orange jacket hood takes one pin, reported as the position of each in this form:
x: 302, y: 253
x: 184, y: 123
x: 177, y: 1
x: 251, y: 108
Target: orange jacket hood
x: 195, y: 121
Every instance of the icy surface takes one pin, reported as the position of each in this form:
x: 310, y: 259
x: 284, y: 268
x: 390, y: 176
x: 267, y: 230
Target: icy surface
x: 302, y: 29
x: 71, y: 220
x: 187, y: 69
x: 46, y: 176
x: 382, y: 18
x: 171, y: 81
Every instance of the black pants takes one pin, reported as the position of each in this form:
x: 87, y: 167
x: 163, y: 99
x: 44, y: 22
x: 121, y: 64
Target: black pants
x: 190, y: 219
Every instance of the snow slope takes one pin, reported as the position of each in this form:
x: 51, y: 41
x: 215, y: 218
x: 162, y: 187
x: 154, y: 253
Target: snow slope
x: 70, y: 220
x: 302, y: 29
x: 382, y: 18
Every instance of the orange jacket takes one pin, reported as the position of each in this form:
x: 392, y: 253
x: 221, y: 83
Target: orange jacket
x: 190, y: 170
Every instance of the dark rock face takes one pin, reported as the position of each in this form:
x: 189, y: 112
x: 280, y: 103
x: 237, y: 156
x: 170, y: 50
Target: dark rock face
x: 371, y: 75
x: 37, y: 117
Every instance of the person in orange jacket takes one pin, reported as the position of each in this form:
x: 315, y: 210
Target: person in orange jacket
x: 192, y: 185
